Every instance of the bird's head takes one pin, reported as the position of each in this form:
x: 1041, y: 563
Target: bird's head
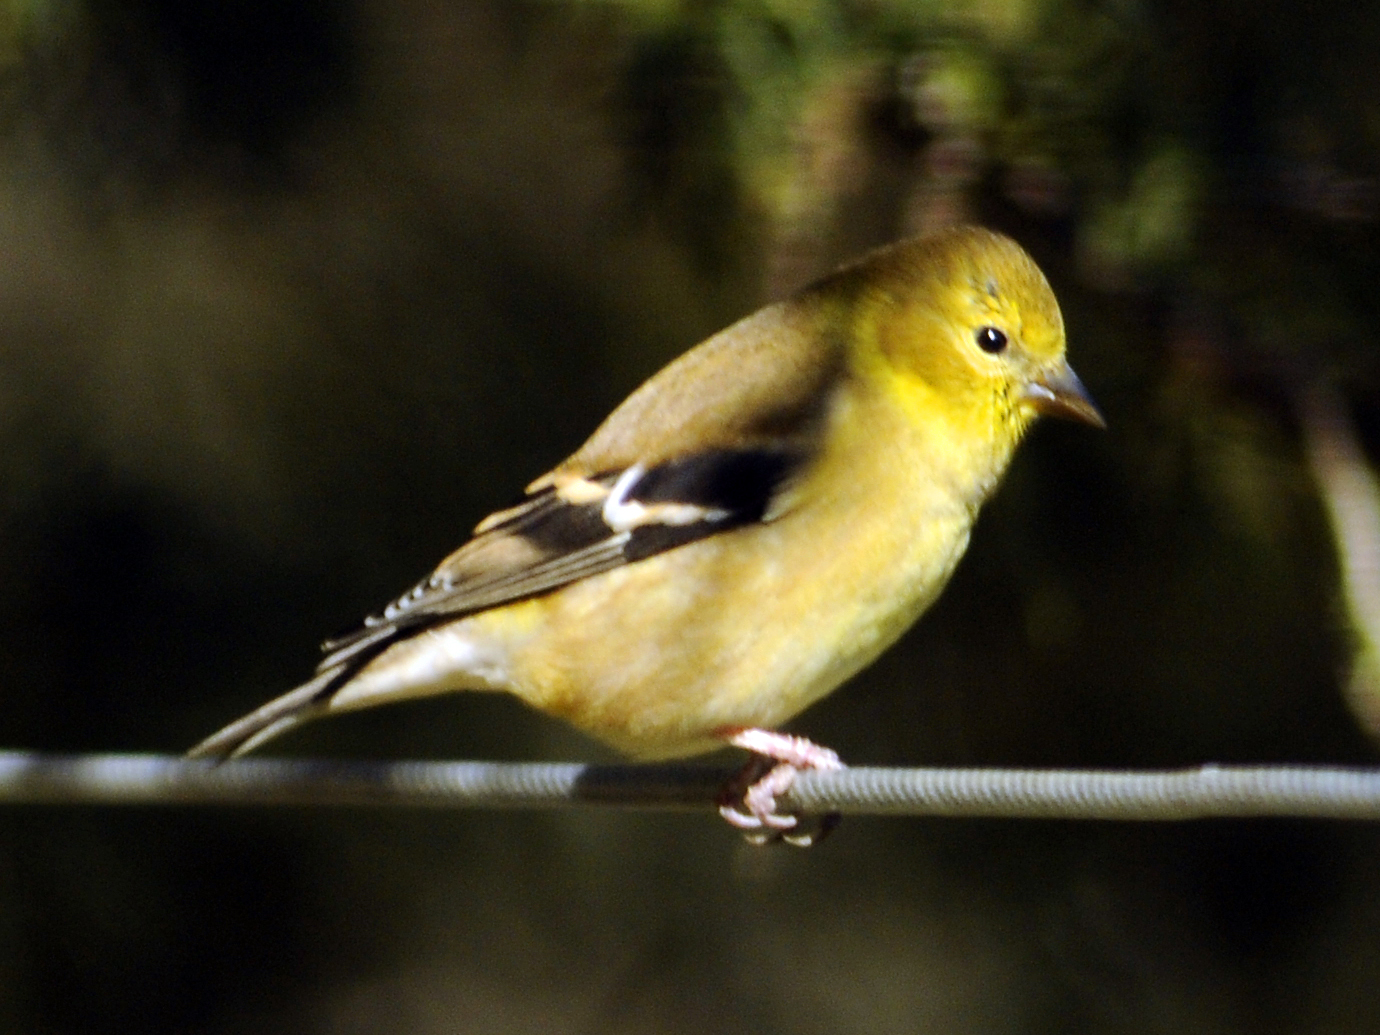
x: 967, y: 317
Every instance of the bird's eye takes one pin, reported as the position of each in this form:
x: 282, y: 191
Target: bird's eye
x: 989, y: 339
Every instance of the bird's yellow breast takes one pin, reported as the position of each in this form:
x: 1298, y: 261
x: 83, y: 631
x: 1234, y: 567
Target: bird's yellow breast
x: 748, y: 629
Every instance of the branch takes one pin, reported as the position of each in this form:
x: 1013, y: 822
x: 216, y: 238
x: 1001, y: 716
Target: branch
x: 1200, y: 793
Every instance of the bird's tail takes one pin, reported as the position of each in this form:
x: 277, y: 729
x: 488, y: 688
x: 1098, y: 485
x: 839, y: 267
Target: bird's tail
x: 278, y: 716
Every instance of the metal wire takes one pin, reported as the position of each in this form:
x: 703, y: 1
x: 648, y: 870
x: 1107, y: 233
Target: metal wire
x: 1199, y: 793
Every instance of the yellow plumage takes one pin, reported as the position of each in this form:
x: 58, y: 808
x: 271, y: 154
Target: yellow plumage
x: 750, y: 527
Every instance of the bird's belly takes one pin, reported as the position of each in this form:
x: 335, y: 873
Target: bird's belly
x: 657, y: 659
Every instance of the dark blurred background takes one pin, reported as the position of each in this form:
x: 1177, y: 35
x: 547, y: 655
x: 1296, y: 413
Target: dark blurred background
x: 293, y: 293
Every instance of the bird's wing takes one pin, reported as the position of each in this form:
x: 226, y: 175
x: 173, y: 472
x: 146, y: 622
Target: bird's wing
x: 710, y: 443
x: 568, y: 530
x: 766, y: 380
x: 578, y: 527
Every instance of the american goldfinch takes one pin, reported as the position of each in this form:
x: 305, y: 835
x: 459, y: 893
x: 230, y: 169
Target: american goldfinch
x: 750, y: 528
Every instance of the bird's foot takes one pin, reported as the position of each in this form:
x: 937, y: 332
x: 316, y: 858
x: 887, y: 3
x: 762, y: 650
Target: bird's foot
x: 748, y: 801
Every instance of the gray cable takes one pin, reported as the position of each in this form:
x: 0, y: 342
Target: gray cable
x: 1203, y: 792
x: 1207, y: 791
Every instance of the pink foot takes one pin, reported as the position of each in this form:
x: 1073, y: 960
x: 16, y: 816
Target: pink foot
x: 749, y: 801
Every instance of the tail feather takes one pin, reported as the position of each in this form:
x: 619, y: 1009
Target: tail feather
x: 276, y: 717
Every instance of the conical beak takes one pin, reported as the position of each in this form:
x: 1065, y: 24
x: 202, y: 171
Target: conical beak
x: 1059, y: 393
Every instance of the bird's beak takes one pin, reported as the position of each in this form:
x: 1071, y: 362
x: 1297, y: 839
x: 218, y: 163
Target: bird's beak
x: 1059, y: 393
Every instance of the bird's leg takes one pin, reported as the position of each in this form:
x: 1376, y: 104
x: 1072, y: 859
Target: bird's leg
x: 748, y: 802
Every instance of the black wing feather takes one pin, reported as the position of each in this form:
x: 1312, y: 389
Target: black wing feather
x: 564, y: 542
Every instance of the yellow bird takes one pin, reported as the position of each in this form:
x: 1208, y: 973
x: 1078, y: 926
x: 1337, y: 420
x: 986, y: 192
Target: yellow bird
x: 750, y: 528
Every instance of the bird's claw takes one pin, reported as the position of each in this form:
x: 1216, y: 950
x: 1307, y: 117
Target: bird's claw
x: 749, y: 800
